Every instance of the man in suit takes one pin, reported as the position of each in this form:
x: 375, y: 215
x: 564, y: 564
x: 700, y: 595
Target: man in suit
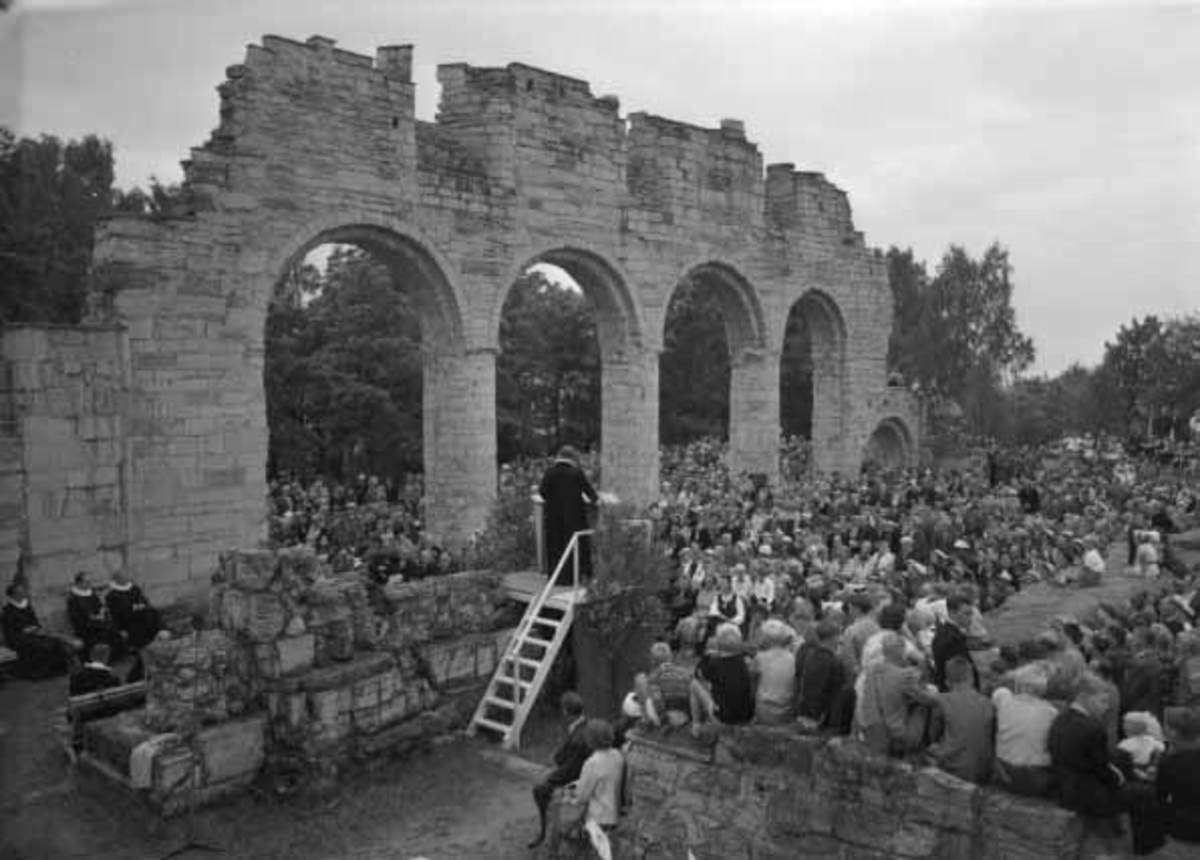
x: 568, y: 760
x: 1078, y: 746
x: 566, y: 496
x: 950, y: 640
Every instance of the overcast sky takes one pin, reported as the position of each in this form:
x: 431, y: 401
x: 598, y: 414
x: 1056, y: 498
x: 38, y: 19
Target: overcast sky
x: 1069, y: 133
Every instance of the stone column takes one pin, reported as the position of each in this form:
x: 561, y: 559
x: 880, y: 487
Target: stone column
x: 629, y: 426
x: 829, y: 443
x: 754, y: 413
x: 460, y: 442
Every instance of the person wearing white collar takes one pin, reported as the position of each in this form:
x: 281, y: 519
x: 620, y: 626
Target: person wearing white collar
x: 39, y: 655
x: 131, y: 612
x: 90, y: 619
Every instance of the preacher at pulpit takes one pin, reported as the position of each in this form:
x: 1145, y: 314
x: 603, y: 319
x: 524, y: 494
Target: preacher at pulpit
x: 567, y: 498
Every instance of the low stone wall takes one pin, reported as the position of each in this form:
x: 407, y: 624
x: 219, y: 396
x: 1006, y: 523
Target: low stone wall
x: 772, y: 793
x: 329, y: 667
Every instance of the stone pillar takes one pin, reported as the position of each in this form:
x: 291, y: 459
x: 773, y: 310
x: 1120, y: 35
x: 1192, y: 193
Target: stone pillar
x: 828, y: 408
x: 460, y: 442
x: 629, y: 426
x: 754, y: 413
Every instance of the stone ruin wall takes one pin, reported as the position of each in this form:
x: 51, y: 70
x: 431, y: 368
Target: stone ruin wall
x: 768, y: 794
x: 319, y: 144
x: 305, y: 671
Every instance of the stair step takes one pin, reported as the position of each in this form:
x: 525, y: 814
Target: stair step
x: 524, y: 661
x: 503, y: 703
x: 493, y: 725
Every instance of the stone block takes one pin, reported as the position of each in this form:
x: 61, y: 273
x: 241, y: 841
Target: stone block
x: 249, y: 570
x: 287, y: 655
x: 232, y: 749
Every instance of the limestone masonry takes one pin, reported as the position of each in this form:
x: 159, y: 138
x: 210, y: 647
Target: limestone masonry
x: 141, y: 439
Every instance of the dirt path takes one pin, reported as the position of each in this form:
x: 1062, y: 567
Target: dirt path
x: 458, y: 802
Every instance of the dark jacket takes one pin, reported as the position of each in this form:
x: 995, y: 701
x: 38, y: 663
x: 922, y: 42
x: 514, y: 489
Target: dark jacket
x: 820, y: 677
x: 1078, y: 748
x: 949, y: 641
x: 92, y: 678
x: 567, y: 495
x: 569, y: 759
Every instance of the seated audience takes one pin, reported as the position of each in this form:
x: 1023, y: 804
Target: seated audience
x: 950, y: 640
x: 669, y: 685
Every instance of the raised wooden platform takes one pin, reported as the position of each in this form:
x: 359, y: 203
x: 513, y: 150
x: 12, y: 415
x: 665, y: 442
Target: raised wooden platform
x: 525, y: 585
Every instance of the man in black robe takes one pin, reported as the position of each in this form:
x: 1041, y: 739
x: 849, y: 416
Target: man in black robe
x: 566, y: 498
x: 90, y: 619
x: 131, y: 612
x: 39, y: 655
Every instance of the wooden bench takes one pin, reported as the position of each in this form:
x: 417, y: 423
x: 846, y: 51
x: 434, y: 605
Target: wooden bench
x: 80, y: 710
x: 8, y: 659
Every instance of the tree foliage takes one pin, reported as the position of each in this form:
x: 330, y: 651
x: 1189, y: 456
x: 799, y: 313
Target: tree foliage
x: 52, y: 194
x: 548, y: 370
x: 694, y: 369
x: 343, y: 371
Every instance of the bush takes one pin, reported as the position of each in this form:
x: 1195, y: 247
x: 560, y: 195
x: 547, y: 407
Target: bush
x: 508, y: 541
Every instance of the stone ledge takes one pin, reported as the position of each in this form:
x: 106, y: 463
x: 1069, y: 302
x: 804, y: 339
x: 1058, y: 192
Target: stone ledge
x: 764, y: 792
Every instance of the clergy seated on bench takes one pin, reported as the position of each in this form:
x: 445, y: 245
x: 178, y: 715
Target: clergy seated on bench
x: 90, y: 619
x: 131, y: 612
x: 39, y: 654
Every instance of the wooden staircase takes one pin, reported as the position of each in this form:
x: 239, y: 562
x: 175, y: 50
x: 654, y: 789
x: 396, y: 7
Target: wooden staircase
x: 522, y: 671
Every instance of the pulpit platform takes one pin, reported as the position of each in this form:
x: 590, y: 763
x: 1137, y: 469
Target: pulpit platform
x: 524, y: 586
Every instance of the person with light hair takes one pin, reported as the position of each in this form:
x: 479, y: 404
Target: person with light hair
x: 1023, y: 720
x: 774, y: 669
x: 723, y: 690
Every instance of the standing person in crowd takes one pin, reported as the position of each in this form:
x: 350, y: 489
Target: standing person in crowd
x: 568, y: 760
x: 39, y: 655
x: 131, y: 612
x: 90, y: 619
x: 950, y: 640
x: 567, y: 496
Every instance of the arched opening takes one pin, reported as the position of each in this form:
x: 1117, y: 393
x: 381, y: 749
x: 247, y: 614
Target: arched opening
x: 570, y: 368
x: 548, y: 367
x: 710, y: 364
x: 812, y: 385
x: 345, y: 368
x: 890, y: 447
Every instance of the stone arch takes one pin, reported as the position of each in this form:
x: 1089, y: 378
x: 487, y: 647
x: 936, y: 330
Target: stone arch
x: 741, y: 308
x: 629, y: 383
x: 620, y: 322
x: 827, y: 339
x: 404, y: 251
x: 891, y: 444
